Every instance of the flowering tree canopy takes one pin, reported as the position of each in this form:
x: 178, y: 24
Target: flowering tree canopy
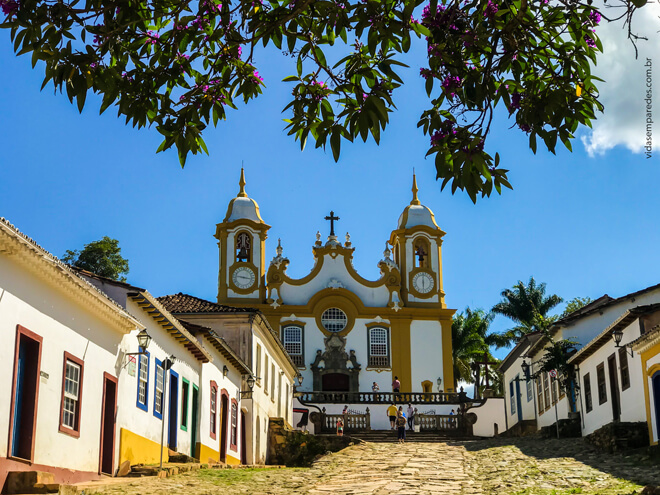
x: 179, y: 64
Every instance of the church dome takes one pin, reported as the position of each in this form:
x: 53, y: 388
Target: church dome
x: 416, y: 214
x: 242, y: 207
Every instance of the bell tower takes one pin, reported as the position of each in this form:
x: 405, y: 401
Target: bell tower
x: 241, y: 242
x: 417, y: 247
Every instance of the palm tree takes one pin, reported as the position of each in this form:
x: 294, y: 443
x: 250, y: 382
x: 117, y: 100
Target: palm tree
x: 528, y: 306
x: 470, y: 339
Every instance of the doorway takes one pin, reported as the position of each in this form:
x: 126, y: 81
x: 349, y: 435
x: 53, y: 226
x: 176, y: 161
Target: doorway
x: 243, y: 445
x: 335, y: 382
x: 193, y: 423
x: 224, y: 411
x: 614, y: 388
x: 108, y: 414
x: 25, y: 394
x: 172, y: 421
x: 518, y: 399
x: 656, y: 399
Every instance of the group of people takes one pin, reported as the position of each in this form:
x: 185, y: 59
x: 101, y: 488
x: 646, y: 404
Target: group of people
x: 398, y: 420
x: 396, y: 386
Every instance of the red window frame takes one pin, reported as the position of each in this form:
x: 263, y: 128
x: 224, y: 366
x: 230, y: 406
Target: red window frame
x: 75, y: 431
x: 214, y: 410
x: 233, y: 426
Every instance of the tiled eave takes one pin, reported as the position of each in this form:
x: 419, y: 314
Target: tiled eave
x: 24, y: 250
x: 603, y: 338
x: 646, y: 341
x: 153, y: 308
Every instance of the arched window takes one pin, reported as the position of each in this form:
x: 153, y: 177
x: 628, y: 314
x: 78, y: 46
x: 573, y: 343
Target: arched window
x: 379, y: 347
x: 334, y: 320
x: 292, y: 339
x: 421, y: 253
x: 243, y: 247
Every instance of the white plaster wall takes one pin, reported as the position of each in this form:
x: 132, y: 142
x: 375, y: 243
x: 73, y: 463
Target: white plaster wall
x: 631, y: 400
x: 426, y: 349
x: 65, y: 325
x: 162, y: 345
x: 489, y: 414
x: 654, y: 423
x: 334, y: 269
x: 528, y: 406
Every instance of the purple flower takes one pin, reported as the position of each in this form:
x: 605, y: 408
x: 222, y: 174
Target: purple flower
x: 9, y: 7
x: 589, y: 40
x: 425, y: 73
x: 491, y: 10
x: 93, y: 65
x: 257, y: 76
x: 524, y: 127
x: 594, y: 16
x: 152, y: 37
x: 450, y: 84
x: 446, y: 129
x: 515, y: 101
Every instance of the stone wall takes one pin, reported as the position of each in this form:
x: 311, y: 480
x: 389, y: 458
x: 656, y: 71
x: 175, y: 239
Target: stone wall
x: 294, y: 448
x: 568, y: 428
x: 615, y: 437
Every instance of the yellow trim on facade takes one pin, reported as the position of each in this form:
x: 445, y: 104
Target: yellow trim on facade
x: 207, y: 454
x: 648, y: 373
x: 138, y: 449
x: 447, y: 356
x: 401, y: 352
x: 233, y: 460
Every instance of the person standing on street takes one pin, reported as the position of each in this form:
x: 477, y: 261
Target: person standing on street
x: 401, y: 427
x: 396, y: 385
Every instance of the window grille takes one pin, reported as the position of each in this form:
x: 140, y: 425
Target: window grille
x: 539, y: 394
x: 234, y: 423
x: 530, y: 390
x: 546, y: 390
x: 379, y: 356
x: 71, y: 395
x: 160, y: 376
x: 214, y: 408
x: 293, y: 343
x: 143, y: 378
x: 588, y: 404
x: 334, y: 320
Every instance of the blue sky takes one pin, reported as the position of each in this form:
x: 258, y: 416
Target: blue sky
x: 584, y: 223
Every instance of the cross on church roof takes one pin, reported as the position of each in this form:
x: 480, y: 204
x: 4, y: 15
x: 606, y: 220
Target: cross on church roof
x: 332, y: 219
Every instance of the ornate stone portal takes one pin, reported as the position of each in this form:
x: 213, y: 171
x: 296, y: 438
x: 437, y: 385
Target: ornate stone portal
x: 335, y: 375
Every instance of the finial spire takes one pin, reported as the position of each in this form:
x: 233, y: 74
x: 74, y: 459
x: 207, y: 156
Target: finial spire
x: 241, y: 183
x: 414, y: 201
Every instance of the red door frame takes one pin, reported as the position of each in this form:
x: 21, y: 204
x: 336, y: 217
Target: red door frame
x: 21, y: 330
x: 109, y: 377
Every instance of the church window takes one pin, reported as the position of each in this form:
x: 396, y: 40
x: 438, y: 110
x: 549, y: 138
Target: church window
x: 292, y: 338
x: 625, y: 372
x: 379, y: 355
x: 243, y: 247
x: 421, y: 253
x: 588, y: 404
x: 602, y: 388
x: 334, y: 320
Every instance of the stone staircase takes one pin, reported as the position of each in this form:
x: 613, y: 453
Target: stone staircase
x: 390, y: 436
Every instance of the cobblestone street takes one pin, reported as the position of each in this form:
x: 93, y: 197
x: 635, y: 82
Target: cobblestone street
x: 523, y: 466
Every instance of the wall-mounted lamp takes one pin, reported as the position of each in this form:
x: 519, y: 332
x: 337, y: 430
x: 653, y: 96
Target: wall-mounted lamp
x: 144, y: 339
x: 439, y: 382
x: 225, y: 370
x: 247, y: 394
x: 300, y: 379
x: 617, y: 335
x: 250, y: 382
x: 525, y: 369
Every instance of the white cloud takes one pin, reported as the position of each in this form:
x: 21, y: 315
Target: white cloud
x: 623, y: 121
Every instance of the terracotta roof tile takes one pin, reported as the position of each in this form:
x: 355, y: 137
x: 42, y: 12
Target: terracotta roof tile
x: 183, y: 303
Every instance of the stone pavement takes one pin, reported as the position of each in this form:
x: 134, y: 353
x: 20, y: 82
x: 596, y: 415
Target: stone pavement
x: 502, y: 466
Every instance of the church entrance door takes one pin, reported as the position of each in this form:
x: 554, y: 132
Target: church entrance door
x: 335, y: 382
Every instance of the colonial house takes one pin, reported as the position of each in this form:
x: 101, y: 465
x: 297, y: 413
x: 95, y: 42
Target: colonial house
x: 248, y: 332
x: 187, y: 378
x: 60, y: 366
x: 648, y: 348
x: 591, y: 328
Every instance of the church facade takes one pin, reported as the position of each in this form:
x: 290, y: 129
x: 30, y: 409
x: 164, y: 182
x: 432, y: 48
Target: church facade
x: 342, y: 331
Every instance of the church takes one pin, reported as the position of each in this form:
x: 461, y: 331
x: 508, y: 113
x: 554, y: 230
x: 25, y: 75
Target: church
x: 342, y: 331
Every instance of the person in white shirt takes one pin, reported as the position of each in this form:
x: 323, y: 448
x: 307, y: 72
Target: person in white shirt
x: 411, y: 416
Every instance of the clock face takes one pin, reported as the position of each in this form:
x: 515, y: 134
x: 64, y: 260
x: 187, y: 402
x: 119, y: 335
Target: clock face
x: 243, y: 277
x: 423, y: 282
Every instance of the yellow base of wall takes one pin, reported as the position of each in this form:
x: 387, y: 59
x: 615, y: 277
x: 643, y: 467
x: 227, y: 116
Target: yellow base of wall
x: 232, y: 460
x: 207, y: 454
x: 139, y: 450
